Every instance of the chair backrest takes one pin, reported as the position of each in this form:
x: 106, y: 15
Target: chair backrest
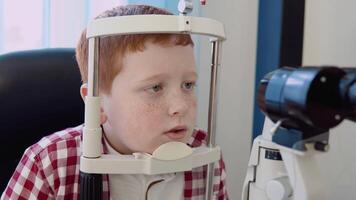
x: 39, y: 94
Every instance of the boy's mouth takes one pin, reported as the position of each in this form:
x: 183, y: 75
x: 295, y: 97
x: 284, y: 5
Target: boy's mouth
x: 176, y: 133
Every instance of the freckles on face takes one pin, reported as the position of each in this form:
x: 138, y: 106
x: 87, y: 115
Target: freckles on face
x: 152, y: 94
x: 192, y: 108
x: 150, y: 108
x: 191, y: 101
x: 140, y: 107
x: 145, y: 115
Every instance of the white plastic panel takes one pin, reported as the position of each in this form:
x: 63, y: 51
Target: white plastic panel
x: 142, y: 163
x: 137, y: 24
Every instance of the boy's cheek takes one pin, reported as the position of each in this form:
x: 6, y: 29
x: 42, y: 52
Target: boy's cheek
x: 192, y: 100
x: 194, y: 104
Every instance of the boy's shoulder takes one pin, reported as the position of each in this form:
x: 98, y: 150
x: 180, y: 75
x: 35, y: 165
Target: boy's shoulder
x: 62, y: 140
x: 198, y: 138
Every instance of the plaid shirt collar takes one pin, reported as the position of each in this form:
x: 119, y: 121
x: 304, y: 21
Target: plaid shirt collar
x: 49, y: 169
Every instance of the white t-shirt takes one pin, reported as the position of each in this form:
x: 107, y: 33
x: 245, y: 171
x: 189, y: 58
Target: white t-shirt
x: 145, y: 187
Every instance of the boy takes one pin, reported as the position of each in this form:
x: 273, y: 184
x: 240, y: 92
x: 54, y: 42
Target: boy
x: 147, y: 88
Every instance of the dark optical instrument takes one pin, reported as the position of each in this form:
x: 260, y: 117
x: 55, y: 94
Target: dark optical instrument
x: 309, y: 99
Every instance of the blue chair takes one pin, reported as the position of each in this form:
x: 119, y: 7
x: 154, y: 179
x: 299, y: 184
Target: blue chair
x: 39, y: 94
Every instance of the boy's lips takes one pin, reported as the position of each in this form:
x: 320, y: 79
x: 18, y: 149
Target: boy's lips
x: 176, y: 133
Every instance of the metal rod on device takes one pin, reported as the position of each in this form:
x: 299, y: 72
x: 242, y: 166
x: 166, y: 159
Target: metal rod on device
x: 215, y: 53
x: 93, y: 67
x: 91, y: 187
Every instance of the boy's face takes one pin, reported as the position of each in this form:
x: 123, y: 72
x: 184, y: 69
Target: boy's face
x: 152, y: 99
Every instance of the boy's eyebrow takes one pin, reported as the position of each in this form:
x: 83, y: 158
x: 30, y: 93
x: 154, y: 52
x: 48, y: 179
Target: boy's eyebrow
x: 153, y: 78
x: 193, y: 73
x: 164, y: 76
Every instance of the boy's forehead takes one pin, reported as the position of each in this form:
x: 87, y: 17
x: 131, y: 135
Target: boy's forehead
x: 154, y: 56
x: 156, y: 63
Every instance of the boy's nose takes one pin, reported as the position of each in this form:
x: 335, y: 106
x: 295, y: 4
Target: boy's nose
x: 178, y: 106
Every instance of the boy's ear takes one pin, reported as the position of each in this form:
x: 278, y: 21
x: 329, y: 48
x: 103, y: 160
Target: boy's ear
x: 84, y: 90
x: 83, y: 93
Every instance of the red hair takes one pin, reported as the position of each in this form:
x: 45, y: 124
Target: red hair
x: 113, y: 48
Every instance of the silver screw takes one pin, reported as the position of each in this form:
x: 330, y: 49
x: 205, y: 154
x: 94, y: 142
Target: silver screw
x: 323, y: 79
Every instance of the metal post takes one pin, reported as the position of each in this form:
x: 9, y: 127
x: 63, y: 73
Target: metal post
x: 93, y: 67
x: 91, y: 185
x: 212, y: 114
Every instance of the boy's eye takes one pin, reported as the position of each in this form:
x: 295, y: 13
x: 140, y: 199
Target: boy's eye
x: 155, y: 88
x: 189, y: 85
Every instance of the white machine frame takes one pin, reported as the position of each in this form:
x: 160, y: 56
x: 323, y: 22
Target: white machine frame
x: 166, y: 159
x: 296, y: 177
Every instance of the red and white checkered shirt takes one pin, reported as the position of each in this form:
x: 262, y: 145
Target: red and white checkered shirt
x: 49, y: 169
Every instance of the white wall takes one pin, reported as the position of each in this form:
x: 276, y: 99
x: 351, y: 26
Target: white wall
x: 237, y: 75
x: 330, y: 39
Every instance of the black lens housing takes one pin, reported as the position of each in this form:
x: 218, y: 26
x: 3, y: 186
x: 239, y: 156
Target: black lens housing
x: 309, y: 99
